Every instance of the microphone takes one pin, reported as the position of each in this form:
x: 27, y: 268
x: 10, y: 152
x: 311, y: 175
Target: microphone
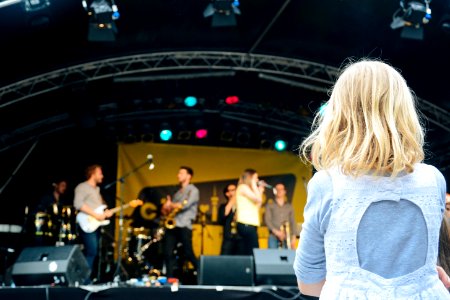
x: 264, y: 184
x: 151, y: 165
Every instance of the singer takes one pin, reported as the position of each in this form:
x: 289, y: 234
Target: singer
x: 248, y: 202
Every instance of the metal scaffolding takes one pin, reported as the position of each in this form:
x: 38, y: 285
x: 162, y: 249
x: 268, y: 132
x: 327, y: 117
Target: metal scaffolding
x: 143, y: 67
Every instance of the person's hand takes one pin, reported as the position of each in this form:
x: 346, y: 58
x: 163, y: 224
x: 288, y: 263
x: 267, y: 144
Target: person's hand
x: 443, y: 276
x: 107, y: 213
x: 293, y: 243
x: 100, y: 217
x: 279, y: 234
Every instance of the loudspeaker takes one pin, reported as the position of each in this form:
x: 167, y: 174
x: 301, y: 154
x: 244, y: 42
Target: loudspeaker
x: 64, y: 265
x: 274, y: 267
x: 226, y: 270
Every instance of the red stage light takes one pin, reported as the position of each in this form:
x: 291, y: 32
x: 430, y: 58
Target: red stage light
x: 230, y: 100
x: 201, y: 133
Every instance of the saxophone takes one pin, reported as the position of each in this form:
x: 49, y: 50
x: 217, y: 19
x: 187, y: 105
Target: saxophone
x: 169, y: 221
x: 166, y: 223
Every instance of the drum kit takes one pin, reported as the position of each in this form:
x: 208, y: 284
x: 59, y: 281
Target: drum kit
x: 143, y: 250
x: 56, y: 226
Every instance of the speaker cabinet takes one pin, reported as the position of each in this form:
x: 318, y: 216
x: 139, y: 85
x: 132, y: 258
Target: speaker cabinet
x: 226, y: 270
x: 64, y: 265
x: 274, y: 267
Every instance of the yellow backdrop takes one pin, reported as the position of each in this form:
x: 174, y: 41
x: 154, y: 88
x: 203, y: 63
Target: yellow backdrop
x: 210, y: 164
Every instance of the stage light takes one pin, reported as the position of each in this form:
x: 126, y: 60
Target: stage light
x: 223, y: 12
x: 280, y: 145
x: 227, y: 133
x: 102, y: 14
x: 34, y: 5
x: 243, y: 136
x: 165, y: 134
x: 184, y: 133
x: 190, y: 101
x: 147, y: 134
x: 230, y: 100
x: 201, y: 133
x: 411, y: 16
x: 265, y: 140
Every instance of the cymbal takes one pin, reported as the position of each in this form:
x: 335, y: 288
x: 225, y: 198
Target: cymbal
x: 148, y: 211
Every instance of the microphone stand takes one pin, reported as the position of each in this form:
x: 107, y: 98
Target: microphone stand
x: 120, y: 235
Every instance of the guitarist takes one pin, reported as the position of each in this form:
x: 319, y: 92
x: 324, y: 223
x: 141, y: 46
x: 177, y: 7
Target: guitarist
x: 87, y: 199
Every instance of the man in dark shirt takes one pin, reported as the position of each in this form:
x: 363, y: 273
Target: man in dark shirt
x: 231, y: 243
x: 47, y: 214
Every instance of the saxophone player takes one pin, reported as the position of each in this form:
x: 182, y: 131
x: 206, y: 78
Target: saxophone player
x: 280, y: 220
x: 185, y: 203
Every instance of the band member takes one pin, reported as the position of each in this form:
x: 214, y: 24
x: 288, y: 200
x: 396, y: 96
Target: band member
x: 231, y: 242
x: 48, y: 214
x: 280, y: 220
x: 183, y: 209
x: 87, y: 199
x: 248, y: 200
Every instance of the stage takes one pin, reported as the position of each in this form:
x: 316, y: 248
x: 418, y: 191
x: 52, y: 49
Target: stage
x: 124, y: 291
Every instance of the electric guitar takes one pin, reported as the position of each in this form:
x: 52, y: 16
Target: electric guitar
x: 89, y: 224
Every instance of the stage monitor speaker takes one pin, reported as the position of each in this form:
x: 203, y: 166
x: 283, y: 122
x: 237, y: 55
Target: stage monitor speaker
x: 274, y: 267
x: 65, y: 265
x: 226, y: 270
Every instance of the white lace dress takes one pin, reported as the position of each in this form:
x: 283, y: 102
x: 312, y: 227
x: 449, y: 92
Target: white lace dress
x: 351, y: 198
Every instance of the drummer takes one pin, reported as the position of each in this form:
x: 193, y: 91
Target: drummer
x: 48, y: 214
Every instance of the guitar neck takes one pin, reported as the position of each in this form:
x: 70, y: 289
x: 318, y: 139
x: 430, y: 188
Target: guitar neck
x: 116, y: 209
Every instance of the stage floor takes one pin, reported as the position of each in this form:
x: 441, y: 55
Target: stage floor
x: 181, y: 292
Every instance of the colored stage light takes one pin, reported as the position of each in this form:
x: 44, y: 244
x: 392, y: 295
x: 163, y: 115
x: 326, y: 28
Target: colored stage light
x: 230, y: 100
x: 280, y: 145
x: 165, y: 134
x: 201, y: 133
x: 190, y: 101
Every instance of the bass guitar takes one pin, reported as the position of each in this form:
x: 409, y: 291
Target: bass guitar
x: 89, y: 224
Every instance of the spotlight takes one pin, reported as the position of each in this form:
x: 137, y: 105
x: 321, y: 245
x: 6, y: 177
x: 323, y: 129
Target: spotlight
x: 184, y: 133
x: 227, y: 133
x: 147, y: 134
x: 280, y: 145
x: 102, y: 15
x: 243, y: 136
x: 165, y: 134
x: 201, y: 132
x: 230, y: 100
x: 190, y: 101
x: 223, y: 12
x: 445, y: 23
x: 410, y: 17
x: 265, y: 141
x: 33, y: 5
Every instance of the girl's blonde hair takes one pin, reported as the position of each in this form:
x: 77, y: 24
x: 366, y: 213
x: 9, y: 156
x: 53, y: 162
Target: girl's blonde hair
x: 370, y: 124
x: 246, y: 177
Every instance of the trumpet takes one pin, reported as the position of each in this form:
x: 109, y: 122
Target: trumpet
x: 287, y: 231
